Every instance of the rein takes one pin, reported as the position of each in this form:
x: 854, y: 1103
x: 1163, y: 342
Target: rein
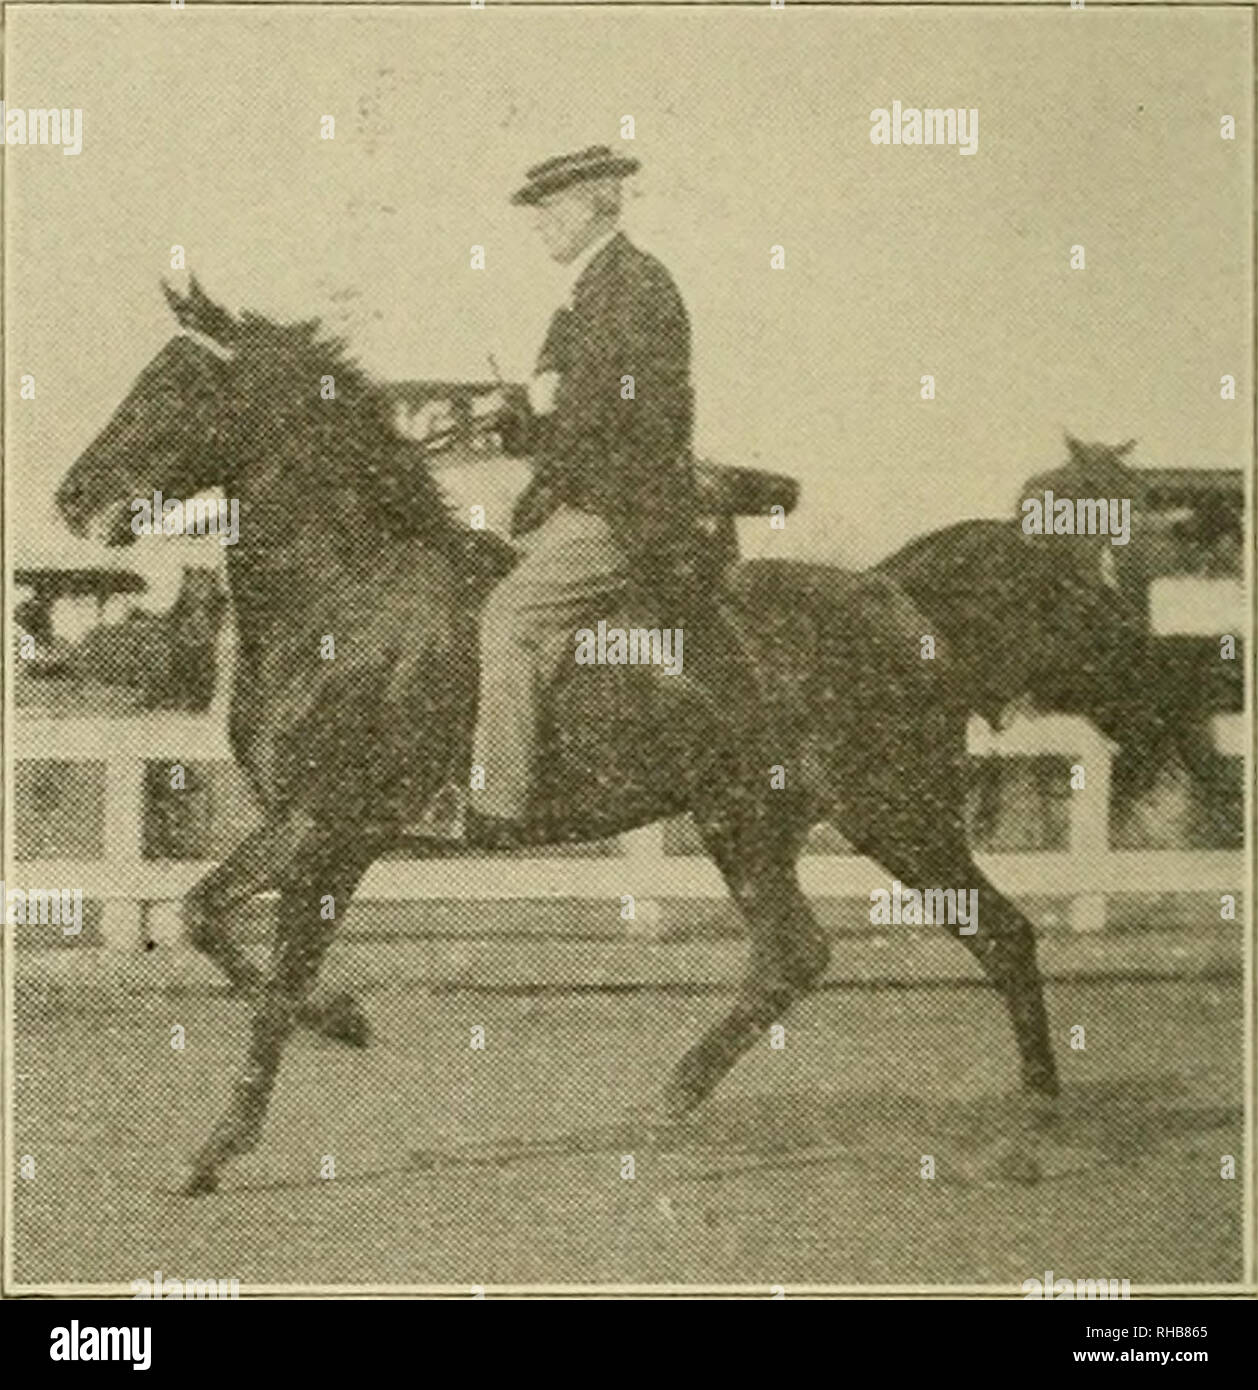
x: 224, y: 354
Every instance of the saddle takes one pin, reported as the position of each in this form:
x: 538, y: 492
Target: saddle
x: 724, y: 493
x: 666, y: 674
x: 728, y: 491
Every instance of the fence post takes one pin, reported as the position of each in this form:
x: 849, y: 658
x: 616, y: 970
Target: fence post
x: 1089, y: 827
x: 122, y: 919
x: 644, y: 860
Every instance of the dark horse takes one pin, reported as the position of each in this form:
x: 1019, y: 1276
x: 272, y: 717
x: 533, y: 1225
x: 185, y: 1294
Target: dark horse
x: 356, y: 597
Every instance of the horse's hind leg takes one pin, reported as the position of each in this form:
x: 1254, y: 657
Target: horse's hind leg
x: 788, y: 953
x: 318, y: 867
x: 1004, y: 945
x: 251, y: 868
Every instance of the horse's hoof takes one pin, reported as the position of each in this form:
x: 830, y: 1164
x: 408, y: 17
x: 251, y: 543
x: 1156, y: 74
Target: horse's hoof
x: 1012, y: 1161
x: 201, y: 1181
x: 340, y: 1018
x: 661, y: 1124
x: 232, y: 1136
x: 680, y: 1098
x: 1043, y: 1115
x: 203, y: 1175
x: 347, y: 1022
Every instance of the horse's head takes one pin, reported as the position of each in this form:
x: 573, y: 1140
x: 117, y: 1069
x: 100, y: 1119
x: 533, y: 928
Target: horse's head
x: 167, y: 435
x: 1098, y: 465
x: 1104, y: 661
x: 273, y: 412
x: 1094, y: 475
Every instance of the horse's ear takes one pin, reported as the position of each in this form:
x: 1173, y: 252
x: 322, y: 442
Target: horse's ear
x: 178, y: 305
x: 1077, y: 448
x: 1122, y: 450
x: 206, y: 316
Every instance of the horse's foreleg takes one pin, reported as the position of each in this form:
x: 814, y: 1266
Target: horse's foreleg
x: 303, y: 933
x: 788, y: 954
x: 250, y: 869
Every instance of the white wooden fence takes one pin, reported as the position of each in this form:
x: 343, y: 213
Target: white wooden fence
x: 125, y: 882
x: 1085, y: 873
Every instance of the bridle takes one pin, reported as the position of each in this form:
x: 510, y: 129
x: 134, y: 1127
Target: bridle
x: 211, y: 345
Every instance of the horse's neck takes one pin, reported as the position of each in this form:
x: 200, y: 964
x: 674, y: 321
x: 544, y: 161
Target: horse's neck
x: 305, y: 547
x: 280, y: 592
x: 278, y: 581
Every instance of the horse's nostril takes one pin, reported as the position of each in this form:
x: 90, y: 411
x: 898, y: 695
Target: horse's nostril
x: 69, y: 501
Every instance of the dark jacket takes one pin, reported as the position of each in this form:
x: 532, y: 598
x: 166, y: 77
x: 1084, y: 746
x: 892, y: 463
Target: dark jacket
x: 626, y: 459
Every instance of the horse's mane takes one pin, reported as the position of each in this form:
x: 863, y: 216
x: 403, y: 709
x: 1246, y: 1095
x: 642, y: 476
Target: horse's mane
x: 347, y: 442
x: 957, y: 559
x: 960, y: 541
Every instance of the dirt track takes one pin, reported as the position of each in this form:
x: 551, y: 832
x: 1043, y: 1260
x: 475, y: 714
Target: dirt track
x: 804, y: 1170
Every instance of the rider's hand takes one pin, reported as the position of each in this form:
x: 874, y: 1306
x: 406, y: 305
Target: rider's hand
x: 431, y: 419
x: 542, y: 390
x: 489, y: 406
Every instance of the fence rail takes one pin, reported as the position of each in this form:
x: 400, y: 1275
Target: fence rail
x: 127, y: 883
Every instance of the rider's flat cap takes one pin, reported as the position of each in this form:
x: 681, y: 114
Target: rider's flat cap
x: 551, y: 175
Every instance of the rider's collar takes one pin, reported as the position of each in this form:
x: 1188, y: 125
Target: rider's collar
x: 578, y: 265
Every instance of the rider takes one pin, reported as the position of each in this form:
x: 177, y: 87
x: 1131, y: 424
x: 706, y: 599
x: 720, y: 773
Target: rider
x: 608, y: 427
